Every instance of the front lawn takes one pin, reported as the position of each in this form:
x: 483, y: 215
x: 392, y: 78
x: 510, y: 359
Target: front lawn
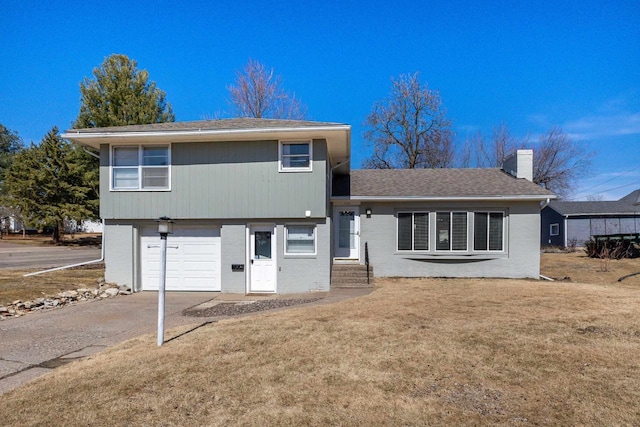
x: 14, y: 286
x: 414, y: 352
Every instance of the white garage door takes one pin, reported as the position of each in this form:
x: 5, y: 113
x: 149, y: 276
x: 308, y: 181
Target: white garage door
x: 193, y: 259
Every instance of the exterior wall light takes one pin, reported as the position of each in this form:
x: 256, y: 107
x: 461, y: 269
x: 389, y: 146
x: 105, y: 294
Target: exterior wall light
x: 368, y: 212
x: 165, y: 226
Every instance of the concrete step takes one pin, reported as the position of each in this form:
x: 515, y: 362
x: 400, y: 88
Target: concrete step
x: 351, y: 276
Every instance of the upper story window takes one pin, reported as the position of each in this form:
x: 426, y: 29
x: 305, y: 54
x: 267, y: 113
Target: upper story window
x: 488, y: 234
x: 295, y: 156
x: 140, y: 167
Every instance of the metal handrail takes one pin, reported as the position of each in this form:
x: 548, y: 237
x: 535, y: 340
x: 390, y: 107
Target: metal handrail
x: 366, y: 258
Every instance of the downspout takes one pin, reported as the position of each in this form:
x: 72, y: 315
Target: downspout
x: 78, y: 264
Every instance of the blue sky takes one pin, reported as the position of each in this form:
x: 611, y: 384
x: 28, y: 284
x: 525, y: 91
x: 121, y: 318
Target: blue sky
x: 528, y: 64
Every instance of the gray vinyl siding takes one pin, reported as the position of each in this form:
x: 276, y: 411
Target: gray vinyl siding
x: 223, y: 180
x: 520, y: 258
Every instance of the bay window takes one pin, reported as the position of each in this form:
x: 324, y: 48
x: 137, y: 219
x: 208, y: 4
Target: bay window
x: 413, y: 231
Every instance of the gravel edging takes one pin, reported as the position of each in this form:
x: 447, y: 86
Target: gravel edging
x: 235, y: 309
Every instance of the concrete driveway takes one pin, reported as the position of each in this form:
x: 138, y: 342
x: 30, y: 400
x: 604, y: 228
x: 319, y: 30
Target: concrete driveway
x: 15, y: 255
x: 34, y: 344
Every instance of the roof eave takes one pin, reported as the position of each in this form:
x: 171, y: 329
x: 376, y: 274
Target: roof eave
x: 523, y: 198
x: 338, y: 137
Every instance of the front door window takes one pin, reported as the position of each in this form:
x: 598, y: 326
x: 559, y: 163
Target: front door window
x: 346, y: 235
x: 263, y: 245
x: 347, y: 231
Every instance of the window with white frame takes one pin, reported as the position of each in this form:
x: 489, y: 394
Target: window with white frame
x: 451, y: 231
x: 300, y: 239
x: 554, y: 229
x: 488, y: 231
x: 140, y: 167
x: 413, y: 231
x: 295, y: 156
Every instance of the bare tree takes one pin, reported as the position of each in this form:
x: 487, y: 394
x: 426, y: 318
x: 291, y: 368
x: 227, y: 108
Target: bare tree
x: 489, y: 153
x: 409, y: 129
x: 558, y: 162
x: 595, y: 198
x: 258, y: 92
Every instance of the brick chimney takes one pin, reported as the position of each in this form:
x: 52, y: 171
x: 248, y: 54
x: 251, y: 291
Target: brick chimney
x: 519, y: 164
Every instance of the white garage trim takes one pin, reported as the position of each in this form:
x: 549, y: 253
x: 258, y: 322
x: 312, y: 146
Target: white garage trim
x: 193, y: 259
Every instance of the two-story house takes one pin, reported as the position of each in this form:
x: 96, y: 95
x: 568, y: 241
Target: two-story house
x: 266, y: 205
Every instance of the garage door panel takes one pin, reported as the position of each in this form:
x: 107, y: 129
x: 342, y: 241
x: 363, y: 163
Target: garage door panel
x: 193, y: 259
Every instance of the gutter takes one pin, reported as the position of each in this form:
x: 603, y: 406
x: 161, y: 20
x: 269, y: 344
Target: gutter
x: 77, y: 135
x: 444, y: 198
x: 74, y: 265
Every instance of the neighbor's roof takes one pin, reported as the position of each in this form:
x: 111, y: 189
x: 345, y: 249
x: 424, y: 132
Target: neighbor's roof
x: 337, y: 135
x: 624, y: 206
x: 421, y: 184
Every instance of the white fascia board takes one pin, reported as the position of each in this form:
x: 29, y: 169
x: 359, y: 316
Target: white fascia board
x: 441, y: 199
x: 200, y: 134
x: 338, y: 137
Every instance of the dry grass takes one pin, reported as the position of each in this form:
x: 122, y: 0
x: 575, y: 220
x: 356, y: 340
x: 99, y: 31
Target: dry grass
x: 15, y: 287
x: 577, y: 267
x: 414, y: 352
x: 76, y: 239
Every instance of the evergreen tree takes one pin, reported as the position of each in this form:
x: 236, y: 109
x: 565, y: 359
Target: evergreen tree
x: 120, y: 94
x: 10, y: 144
x: 48, y: 183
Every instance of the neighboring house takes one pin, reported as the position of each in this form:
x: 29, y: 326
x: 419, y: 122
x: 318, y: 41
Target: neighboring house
x: 271, y: 205
x: 565, y: 222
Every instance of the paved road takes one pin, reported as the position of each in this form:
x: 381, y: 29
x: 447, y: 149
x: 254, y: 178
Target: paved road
x: 15, y: 255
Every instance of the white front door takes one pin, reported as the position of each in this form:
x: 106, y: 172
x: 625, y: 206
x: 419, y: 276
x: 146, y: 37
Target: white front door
x: 262, y: 259
x: 347, y: 230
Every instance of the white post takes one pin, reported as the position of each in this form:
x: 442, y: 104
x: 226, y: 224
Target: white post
x: 161, y: 286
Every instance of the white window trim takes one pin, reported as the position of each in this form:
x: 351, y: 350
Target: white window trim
x: 140, y: 166
x: 413, y: 230
x: 294, y: 169
x: 557, y: 226
x: 504, y: 234
x: 315, y: 240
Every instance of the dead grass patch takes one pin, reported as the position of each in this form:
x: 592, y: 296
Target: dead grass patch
x: 577, y: 267
x: 13, y: 286
x: 414, y: 352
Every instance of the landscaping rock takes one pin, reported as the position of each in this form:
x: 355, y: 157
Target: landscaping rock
x: 18, y: 308
x: 112, y: 292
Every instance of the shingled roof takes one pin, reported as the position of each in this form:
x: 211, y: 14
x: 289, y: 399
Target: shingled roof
x: 625, y: 206
x: 438, y: 184
x: 201, y: 125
